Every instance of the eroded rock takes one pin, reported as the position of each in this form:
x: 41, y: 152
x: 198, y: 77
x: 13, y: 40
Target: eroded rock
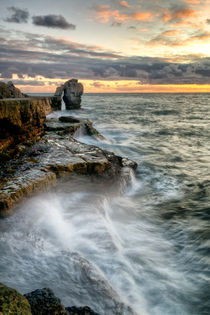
x: 21, y: 122
x: 73, y: 91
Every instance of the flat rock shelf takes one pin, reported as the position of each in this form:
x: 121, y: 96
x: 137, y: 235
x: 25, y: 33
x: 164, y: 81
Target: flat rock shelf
x: 57, y: 154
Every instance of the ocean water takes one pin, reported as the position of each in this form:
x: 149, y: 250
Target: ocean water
x: 142, y: 250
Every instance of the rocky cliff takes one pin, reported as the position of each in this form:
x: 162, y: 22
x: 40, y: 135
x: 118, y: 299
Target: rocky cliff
x: 21, y: 123
x: 8, y: 90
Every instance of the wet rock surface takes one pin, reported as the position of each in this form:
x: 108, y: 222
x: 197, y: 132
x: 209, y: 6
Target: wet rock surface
x: 57, y: 154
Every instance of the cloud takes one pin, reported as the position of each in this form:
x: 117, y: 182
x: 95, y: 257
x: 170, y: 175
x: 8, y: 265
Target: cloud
x: 124, y: 4
x: 54, y: 58
x: 132, y: 28
x: 168, y: 38
x: 17, y: 15
x: 105, y: 14
x: 178, y: 14
x: 117, y: 24
x: 97, y: 84
x: 193, y: 2
x: 172, y: 38
x: 171, y: 33
x: 54, y: 21
x: 28, y: 82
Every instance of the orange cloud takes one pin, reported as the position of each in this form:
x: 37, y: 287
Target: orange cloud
x: 192, y: 1
x: 178, y: 15
x: 104, y: 14
x: 203, y: 38
x: 143, y: 29
x: 125, y: 4
x: 142, y: 16
x: 175, y: 42
x: 170, y: 33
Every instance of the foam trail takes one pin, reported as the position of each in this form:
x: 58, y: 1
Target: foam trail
x: 110, y: 226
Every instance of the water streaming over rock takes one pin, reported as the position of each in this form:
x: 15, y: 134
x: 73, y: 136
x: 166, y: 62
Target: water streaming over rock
x: 141, y: 248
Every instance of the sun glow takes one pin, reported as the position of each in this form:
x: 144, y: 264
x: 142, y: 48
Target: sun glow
x: 124, y: 86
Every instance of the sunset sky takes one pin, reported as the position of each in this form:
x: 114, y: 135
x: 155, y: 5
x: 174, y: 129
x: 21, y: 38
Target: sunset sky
x: 109, y: 45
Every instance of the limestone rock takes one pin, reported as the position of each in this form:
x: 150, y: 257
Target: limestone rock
x: 72, y: 90
x: 8, y: 90
x: 55, y: 156
x: 12, y: 302
x: 21, y: 121
x: 44, y: 302
x: 72, y: 94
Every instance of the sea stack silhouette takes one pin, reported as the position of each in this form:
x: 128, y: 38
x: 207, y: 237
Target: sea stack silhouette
x: 73, y: 91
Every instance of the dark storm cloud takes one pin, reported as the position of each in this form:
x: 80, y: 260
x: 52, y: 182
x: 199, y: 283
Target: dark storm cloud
x: 52, y: 20
x: 47, y: 47
x: 17, y: 15
x: 45, y: 56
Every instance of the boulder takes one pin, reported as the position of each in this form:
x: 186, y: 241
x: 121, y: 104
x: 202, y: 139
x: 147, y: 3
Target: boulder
x: 44, y: 302
x: 12, y: 302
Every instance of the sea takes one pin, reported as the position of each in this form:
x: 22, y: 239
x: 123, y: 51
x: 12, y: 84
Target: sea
x: 141, y: 249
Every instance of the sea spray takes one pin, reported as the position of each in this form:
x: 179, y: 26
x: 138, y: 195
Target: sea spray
x: 146, y: 245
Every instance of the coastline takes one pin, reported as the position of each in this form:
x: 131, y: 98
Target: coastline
x: 37, y: 165
x: 50, y: 154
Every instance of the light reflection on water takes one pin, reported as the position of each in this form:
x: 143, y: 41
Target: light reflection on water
x: 148, y: 247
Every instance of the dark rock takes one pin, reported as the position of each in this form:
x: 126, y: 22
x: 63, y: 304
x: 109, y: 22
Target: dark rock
x: 69, y: 119
x: 12, y: 302
x: 73, y: 91
x: 70, y: 125
x: 80, y: 311
x: 72, y: 94
x: 8, y: 90
x: 44, y: 302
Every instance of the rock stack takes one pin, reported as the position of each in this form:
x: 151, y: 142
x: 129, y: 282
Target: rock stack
x: 73, y: 91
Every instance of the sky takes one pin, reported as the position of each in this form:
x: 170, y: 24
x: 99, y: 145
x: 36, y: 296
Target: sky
x: 109, y: 45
